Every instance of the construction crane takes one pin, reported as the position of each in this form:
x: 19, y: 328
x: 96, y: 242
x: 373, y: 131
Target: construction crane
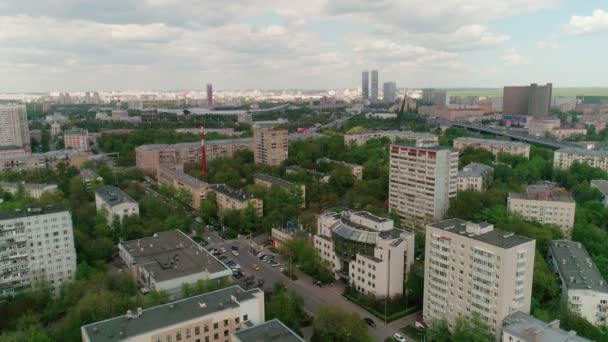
x: 401, y: 111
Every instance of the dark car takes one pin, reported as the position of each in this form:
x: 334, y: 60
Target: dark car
x: 222, y: 257
x: 235, y: 248
x: 370, y: 322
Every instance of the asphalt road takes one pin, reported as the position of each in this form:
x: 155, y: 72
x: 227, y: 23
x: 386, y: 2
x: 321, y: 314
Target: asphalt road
x: 313, y: 295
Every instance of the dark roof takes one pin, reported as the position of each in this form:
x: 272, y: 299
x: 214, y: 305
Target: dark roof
x: 31, y: 211
x: 114, y: 196
x: 274, y: 180
x: 229, y: 191
x: 122, y: 328
x: 296, y: 168
x: 544, y: 192
x: 584, y: 152
x: 575, y: 266
x: 171, y: 254
x: 494, y: 237
x: 270, y: 331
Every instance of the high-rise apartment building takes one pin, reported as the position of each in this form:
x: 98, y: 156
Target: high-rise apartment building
x: 270, y: 146
x: 389, y: 92
x: 36, y: 246
x: 474, y: 268
x: 209, y: 95
x: 422, y: 180
x: 531, y: 100
x: 365, y: 85
x: 374, y: 86
x: 14, y: 131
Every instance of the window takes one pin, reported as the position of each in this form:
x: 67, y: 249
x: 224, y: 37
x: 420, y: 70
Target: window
x: 225, y: 322
x: 197, y: 330
x: 206, y: 327
x: 178, y: 336
x: 215, y: 325
x: 245, y: 318
x: 216, y: 336
x: 225, y: 332
x: 237, y: 320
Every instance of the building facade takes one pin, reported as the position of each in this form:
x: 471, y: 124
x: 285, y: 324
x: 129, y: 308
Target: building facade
x: 475, y: 176
x: 365, y: 85
x: 355, y: 170
x: 602, y: 186
x: 30, y: 189
x: 581, y: 282
x: 269, y: 181
x: 180, y: 180
x: 494, y: 146
x: 36, y: 246
x: 565, y: 157
x: 521, y: 327
x: 116, y: 203
x: 366, y: 250
x: 421, y: 182
x: 76, y: 139
x: 23, y: 161
x: 360, y: 138
x: 545, y: 203
x: 473, y: 268
x: 531, y: 100
x: 14, y: 131
x: 389, y: 92
x: 229, y: 198
x: 270, y: 146
x: 374, y: 85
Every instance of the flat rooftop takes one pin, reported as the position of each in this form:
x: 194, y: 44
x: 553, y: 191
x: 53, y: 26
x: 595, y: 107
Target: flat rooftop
x: 474, y: 170
x: 424, y: 148
x: 171, y: 254
x: 185, y: 178
x: 274, y: 180
x: 575, y: 266
x: 296, y: 168
x: 528, y: 328
x: 158, y: 147
x: 27, y: 186
x: 584, y: 152
x: 601, y: 185
x: 544, y: 192
x: 491, y: 142
x: 370, y: 216
x: 114, y: 196
x: 231, y: 192
x: 122, y: 328
x: 270, y: 331
x: 32, y: 211
x: 497, y: 238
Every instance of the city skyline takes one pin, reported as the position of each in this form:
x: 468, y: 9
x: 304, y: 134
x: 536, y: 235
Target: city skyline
x: 70, y: 45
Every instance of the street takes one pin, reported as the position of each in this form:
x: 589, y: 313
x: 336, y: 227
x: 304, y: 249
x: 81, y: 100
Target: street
x: 313, y: 295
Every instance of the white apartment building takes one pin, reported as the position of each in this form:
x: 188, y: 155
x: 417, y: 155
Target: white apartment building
x: 36, y: 245
x: 422, y: 180
x: 14, y: 131
x: 565, y: 157
x: 31, y: 189
x: 116, y: 203
x: 521, y: 327
x: 474, y: 176
x: 211, y: 317
x: 474, y: 268
x: 366, y: 250
x: 545, y: 203
x: 494, y: 146
x: 582, y: 284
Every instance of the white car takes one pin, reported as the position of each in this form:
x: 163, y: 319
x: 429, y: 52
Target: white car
x: 235, y: 253
x: 223, y: 250
x: 399, y: 337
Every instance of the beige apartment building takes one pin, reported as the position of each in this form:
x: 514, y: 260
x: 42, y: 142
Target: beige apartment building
x: 209, y: 317
x: 421, y: 182
x: 581, y: 282
x: 229, y: 198
x: 360, y: 138
x: 545, y: 203
x: 565, y: 157
x: 474, y: 268
x: 15, y: 162
x: 270, y: 181
x: 149, y: 158
x: 270, y: 146
x: 366, y: 250
x: 76, y: 139
x: 494, y: 146
x: 14, y: 131
x: 475, y: 176
x: 180, y: 180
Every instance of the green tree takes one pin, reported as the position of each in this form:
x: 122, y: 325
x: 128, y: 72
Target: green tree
x: 438, y: 331
x: 285, y: 306
x: 472, y: 328
x: 335, y: 324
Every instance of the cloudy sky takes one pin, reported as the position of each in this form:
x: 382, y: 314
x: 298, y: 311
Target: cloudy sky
x: 72, y: 45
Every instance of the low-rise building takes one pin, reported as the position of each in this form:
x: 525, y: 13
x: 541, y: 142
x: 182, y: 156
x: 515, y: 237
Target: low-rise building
x: 89, y: 176
x: 521, y: 327
x: 582, y: 283
x: 355, y: 170
x: 360, y: 138
x: 541, y: 126
x: 116, y: 203
x: 454, y: 113
x: 213, y: 316
x: 31, y: 189
x: 569, y: 132
x: 23, y: 161
x: 169, y: 259
x: 494, y: 146
x: 36, y: 246
x: 180, y: 180
x: 565, y: 157
x: 602, y: 186
x: 475, y: 176
x: 280, y: 235
x: 270, y: 181
x: 545, y: 203
x: 473, y: 268
x: 366, y: 250
x: 76, y: 139
x: 229, y: 198
x: 269, y: 331
x: 321, y: 176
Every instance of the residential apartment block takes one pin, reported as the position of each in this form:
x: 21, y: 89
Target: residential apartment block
x: 270, y: 146
x: 30, y: 189
x: 36, y: 245
x: 210, y: 317
x: 421, y: 182
x: 116, y: 203
x: 76, y: 139
x: 474, y: 268
x: 355, y: 170
x: 229, y: 198
x: 521, y: 327
x: 360, y: 138
x: 269, y: 331
x: 545, y: 203
x: 16, y: 162
x: 169, y: 259
x: 475, y: 176
x: 180, y: 180
x: 321, y: 176
x: 270, y: 181
x: 14, y: 131
x: 565, y: 157
x: 494, y: 146
x: 366, y: 250
x: 531, y: 100
x: 582, y: 284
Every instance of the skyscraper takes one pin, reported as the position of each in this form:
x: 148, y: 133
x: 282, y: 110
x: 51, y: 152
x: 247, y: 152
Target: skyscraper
x: 374, y: 86
x: 14, y: 131
x: 365, y: 85
x: 531, y: 100
x: 389, y: 91
x: 209, y: 95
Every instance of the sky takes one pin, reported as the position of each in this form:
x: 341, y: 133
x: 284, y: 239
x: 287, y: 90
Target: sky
x: 80, y: 45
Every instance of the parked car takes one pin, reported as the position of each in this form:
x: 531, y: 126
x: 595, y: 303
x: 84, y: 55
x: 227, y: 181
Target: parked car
x: 275, y: 264
x: 235, y: 248
x: 223, y: 249
x: 255, y: 267
x: 235, y: 253
x: 318, y: 283
x: 370, y: 322
x: 222, y: 257
x: 399, y: 337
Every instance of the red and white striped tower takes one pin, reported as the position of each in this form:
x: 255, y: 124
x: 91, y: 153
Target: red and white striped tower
x: 203, y: 152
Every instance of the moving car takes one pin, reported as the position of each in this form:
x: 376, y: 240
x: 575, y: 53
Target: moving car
x: 399, y: 337
x: 370, y: 322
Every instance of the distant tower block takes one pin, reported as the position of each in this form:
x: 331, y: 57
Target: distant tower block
x: 203, y: 152
x: 209, y: 95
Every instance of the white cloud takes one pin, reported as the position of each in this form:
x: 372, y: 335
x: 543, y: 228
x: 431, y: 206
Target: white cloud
x: 551, y: 43
x: 513, y: 58
x: 596, y: 22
